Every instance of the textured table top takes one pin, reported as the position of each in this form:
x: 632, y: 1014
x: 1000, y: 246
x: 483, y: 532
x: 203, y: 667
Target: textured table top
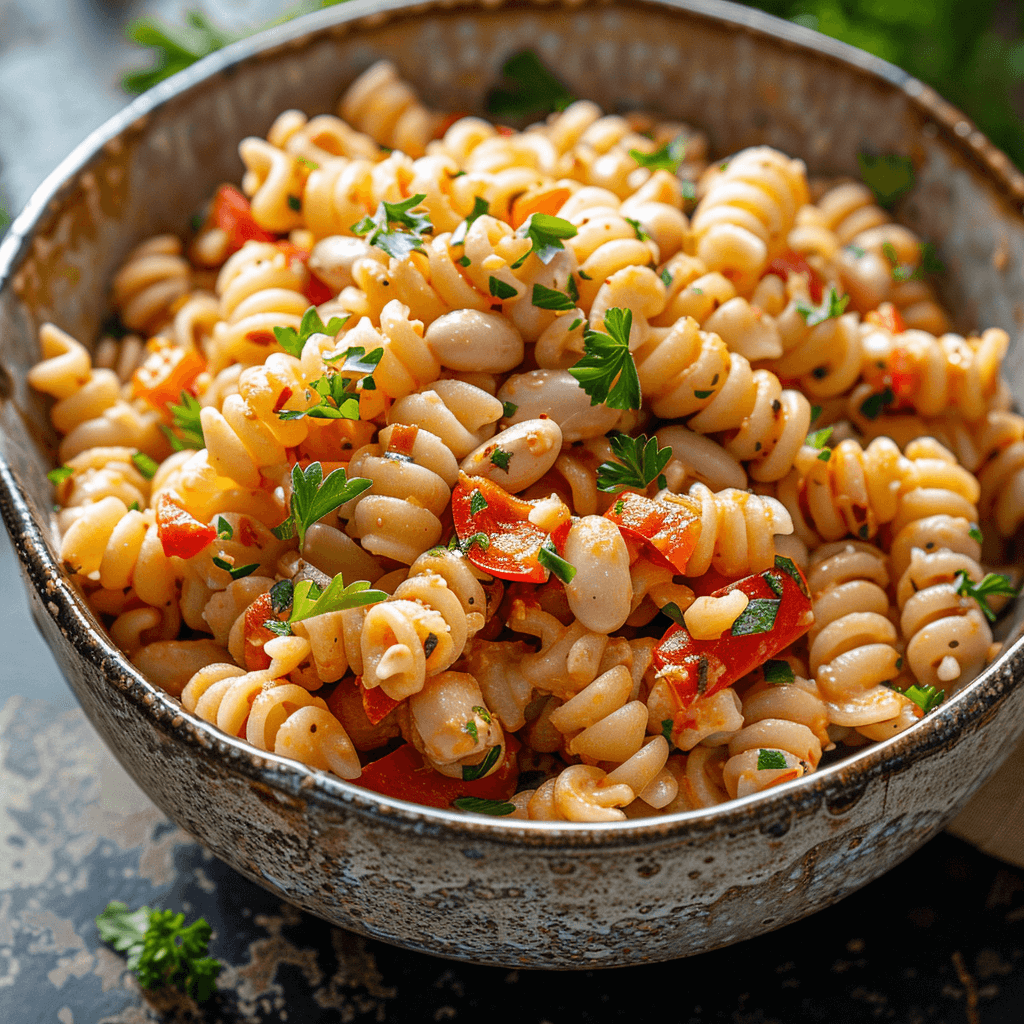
x: 939, y: 939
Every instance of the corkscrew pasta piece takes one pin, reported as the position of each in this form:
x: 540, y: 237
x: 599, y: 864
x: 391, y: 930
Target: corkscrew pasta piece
x: 150, y: 283
x: 461, y: 415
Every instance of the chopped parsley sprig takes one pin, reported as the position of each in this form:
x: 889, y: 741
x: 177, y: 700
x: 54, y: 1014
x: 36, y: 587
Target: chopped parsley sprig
x: 293, y: 341
x: 993, y: 585
x: 546, y: 234
x: 531, y: 89
x: 607, y: 372
x: 396, y: 227
x: 641, y: 462
x: 313, y: 497
x: 833, y: 305
x: 667, y: 158
x: 161, y: 949
x: 889, y: 176
x: 480, y: 207
x: 818, y: 439
x: 187, y: 430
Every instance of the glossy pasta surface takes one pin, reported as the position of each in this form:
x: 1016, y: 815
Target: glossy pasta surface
x: 556, y: 474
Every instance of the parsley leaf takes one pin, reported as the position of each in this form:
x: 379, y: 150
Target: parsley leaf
x: 472, y: 772
x: 778, y: 673
x: 607, y: 372
x: 500, y: 289
x: 335, y: 400
x: 293, y: 341
x: 545, y: 233
x: 59, y: 475
x: 161, y: 949
x: 481, y: 805
x: 758, y: 617
x: 188, y: 427
x: 833, y: 305
x: 889, y: 176
x: 236, y: 573
x: 769, y: 759
x: 145, y: 464
x: 509, y: 409
x: 480, y: 207
x: 309, y: 600
x: 927, y: 698
x: 640, y: 463
x: 638, y: 229
x: 224, y: 529
x: 992, y: 585
x: 500, y: 458
x: 551, y: 298
x: 818, y: 439
x: 396, y: 228
x: 173, y: 50
x: 477, y: 502
x: 873, y: 405
x: 313, y: 497
x: 975, y: 533
x: 668, y: 158
x: 553, y: 561
x: 532, y: 89
x: 673, y: 611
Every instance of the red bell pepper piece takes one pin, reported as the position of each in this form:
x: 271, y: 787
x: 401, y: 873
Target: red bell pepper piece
x: 699, y: 668
x: 376, y: 703
x: 232, y: 213
x: 179, y: 531
x: 167, y: 370
x: 316, y: 291
x: 512, y: 540
x: 888, y: 316
x: 403, y: 774
x: 670, y: 529
x: 790, y: 262
x: 255, y: 634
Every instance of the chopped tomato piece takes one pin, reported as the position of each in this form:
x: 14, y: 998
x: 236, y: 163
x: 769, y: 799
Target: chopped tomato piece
x: 179, y: 531
x: 791, y: 262
x: 670, y: 529
x: 403, y: 774
x: 256, y: 634
x: 232, y: 213
x: 699, y: 668
x: 888, y: 316
x: 316, y: 291
x: 167, y: 370
x: 543, y: 199
x: 376, y: 703
x: 904, y: 375
x: 512, y: 540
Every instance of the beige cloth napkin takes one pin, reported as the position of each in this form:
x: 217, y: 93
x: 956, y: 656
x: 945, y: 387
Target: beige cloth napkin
x: 994, y: 819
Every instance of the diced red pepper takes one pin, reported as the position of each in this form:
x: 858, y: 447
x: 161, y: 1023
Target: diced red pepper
x: 670, y: 530
x: 232, y: 213
x: 791, y: 262
x: 167, y: 370
x: 904, y: 375
x: 179, y: 531
x: 699, y: 668
x: 513, y: 541
x: 403, y: 774
x: 316, y: 291
x: 888, y: 316
x: 256, y: 634
x: 376, y: 703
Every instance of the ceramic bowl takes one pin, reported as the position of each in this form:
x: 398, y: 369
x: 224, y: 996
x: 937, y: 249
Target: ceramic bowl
x: 490, y: 890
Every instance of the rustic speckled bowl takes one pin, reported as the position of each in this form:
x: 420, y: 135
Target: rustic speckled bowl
x: 497, y: 891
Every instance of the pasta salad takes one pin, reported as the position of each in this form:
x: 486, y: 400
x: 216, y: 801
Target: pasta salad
x: 557, y: 474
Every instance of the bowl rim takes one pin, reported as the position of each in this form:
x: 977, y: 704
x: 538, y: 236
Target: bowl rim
x: 846, y: 778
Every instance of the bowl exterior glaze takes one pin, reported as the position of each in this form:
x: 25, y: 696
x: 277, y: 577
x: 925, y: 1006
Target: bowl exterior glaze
x: 494, y: 891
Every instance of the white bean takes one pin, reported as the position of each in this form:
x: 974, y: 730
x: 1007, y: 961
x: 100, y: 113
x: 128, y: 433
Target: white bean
x: 467, y: 339
x: 601, y: 592
x: 558, y: 394
x: 531, y: 448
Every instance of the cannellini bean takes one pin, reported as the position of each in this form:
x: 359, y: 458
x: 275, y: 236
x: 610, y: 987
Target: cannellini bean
x: 532, y: 448
x: 467, y: 339
x: 557, y: 394
x: 601, y: 592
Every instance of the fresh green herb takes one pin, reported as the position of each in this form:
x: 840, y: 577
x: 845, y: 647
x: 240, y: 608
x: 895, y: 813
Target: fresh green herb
x: 992, y: 585
x: 551, y: 298
x: 607, y: 372
x: 508, y: 409
x: 238, y: 573
x: 224, y: 529
x: 469, y: 728
x: 59, y: 475
x: 481, y: 805
x: 308, y: 599
x: 688, y: 190
x: 500, y: 458
x: 674, y: 612
x: 396, y: 227
x: 774, y: 583
x: 500, y: 289
x: 638, y: 230
x: 294, y: 203
x: 778, y: 673
x: 855, y: 250
x: 584, y: 276
x: 188, y: 427
x: 975, y: 533
x: 889, y: 176
x: 293, y: 341
x: 770, y: 759
x: 482, y: 713
x: 145, y: 464
x: 281, y: 596
x: 480, y: 539
x: 313, y: 497
x: 278, y: 627
x: 815, y: 412
x: 545, y: 233
x: 472, y: 772
x: 477, y: 502
x: 930, y: 262
x: 576, y: 323
x: 640, y: 463
x: 668, y: 158
x: 571, y: 290
x: 873, y: 405
x: 173, y: 50
x: 531, y: 89
x: 818, y: 439
x: 927, y: 698
x: 758, y: 617
x: 285, y: 530
x: 310, y: 165
x: 666, y: 729
x: 704, y: 394
x: 464, y: 261
x: 666, y: 277
x: 618, y: 507
x: 833, y: 305
x: 553, y: 561
x: 134, y: 507
x: 480, y: 207
x: 788, y: 566
x: 161, y: 949
x: 899, y: 272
